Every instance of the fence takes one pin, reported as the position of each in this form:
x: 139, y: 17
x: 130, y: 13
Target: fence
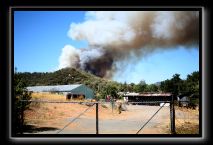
x: 57, y: 104
x: 187, y: 117
x: 87, y: 113
x: 132, y: 117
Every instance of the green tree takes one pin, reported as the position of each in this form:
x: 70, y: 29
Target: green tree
x: 176, y: 83
x: 112, y: 91
x: 125, y: 88
x: 173, y: 85
x: 136, y: 88
x: 20, y: 93
x: 178, y: 86
x: 142, y: 86
x: 151, y: 88
x: 192, y: 83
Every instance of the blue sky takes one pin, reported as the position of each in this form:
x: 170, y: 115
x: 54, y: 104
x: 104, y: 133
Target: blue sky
x: 39, y: 37
x: 161, y: 65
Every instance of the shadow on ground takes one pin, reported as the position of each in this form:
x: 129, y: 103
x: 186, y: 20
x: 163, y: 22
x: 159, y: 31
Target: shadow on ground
x: 34, y: 129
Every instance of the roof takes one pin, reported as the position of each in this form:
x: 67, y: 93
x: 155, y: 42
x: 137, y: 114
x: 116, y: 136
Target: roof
x: 57, y: 88
x: 149, y: 94
x: 131, y: 94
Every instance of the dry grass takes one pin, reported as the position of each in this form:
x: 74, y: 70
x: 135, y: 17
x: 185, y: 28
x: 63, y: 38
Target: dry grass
x: 56, y: 114
x: 42, y: 113
x: 55, y: 97
x: 48, y: 96
x: 188, y: 120
x: 187, y: 128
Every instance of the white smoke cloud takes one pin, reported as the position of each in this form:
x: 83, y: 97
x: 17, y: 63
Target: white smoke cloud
x: 102, y: 32
x: 162, y: 25
x: 69, y: 57
x: 76, y: 58
x: 113, y: 35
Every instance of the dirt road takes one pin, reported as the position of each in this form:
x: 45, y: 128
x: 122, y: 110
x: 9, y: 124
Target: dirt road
x: 128, y: 122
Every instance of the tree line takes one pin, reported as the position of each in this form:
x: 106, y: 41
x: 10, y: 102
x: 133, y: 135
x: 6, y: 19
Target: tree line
x: 175, y: 85
x: 103, y: 87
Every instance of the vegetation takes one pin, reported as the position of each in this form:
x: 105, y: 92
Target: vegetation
x: 103, y: 87
x: 187, y: 87
x: 188, y: 128
x: 179, y: 86
x: 20, y: 93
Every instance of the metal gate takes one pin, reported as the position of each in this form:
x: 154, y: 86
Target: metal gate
x: 96, y: 106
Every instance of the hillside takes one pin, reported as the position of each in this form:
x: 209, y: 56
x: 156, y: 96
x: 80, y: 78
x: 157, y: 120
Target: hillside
x: 64, y: 77
x: 103, y: 87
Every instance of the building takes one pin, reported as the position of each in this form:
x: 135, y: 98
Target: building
x: 150, y: 98
x: 186, y: 100
x: 129, y: 95
x: 183, y: 100
x: 70, y: 91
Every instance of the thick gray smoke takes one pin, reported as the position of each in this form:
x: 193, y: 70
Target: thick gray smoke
x: 112, y: 36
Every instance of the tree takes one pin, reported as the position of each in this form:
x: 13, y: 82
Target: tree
x: 179, y: 86
x: 112, y: 91
x: 176, y: 83
x: 192, y: 83
x: 130, y: 87
x: 151, y: 88
x: 142, y: 86
x: 173, y: 85
x: 20, y: 93
x: 125, y: 88
x: 136, y: 88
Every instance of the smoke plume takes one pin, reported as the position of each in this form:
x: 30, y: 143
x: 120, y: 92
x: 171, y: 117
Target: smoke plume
x: 112, y: 36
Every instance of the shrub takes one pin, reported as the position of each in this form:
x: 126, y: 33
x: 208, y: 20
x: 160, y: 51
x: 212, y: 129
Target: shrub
x: 20, y: 93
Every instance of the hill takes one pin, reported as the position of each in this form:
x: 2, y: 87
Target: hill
x: 64, y: 77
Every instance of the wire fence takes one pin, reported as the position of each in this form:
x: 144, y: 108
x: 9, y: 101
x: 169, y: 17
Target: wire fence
x: 83, y: 117
x: 74, y: 119
x: 187, y: 118
x: 150, y: 118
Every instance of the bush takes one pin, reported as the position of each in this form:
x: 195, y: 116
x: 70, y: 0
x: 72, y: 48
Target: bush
x: 20, y: 93
x: 194, y: 103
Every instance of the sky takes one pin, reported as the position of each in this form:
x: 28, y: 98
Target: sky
x: 161, y: 66
x: 40, y: 36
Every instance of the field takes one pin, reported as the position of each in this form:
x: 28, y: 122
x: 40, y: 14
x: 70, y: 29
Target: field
x: 51, y: 118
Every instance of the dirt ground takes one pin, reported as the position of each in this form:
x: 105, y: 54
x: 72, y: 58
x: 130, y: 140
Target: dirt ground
x: 53, y: 118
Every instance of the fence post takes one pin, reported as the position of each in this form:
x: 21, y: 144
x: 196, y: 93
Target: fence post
x: 97, y: 118
x: 22, y: 117
x: 112, y: 103
x: 172, y: 115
